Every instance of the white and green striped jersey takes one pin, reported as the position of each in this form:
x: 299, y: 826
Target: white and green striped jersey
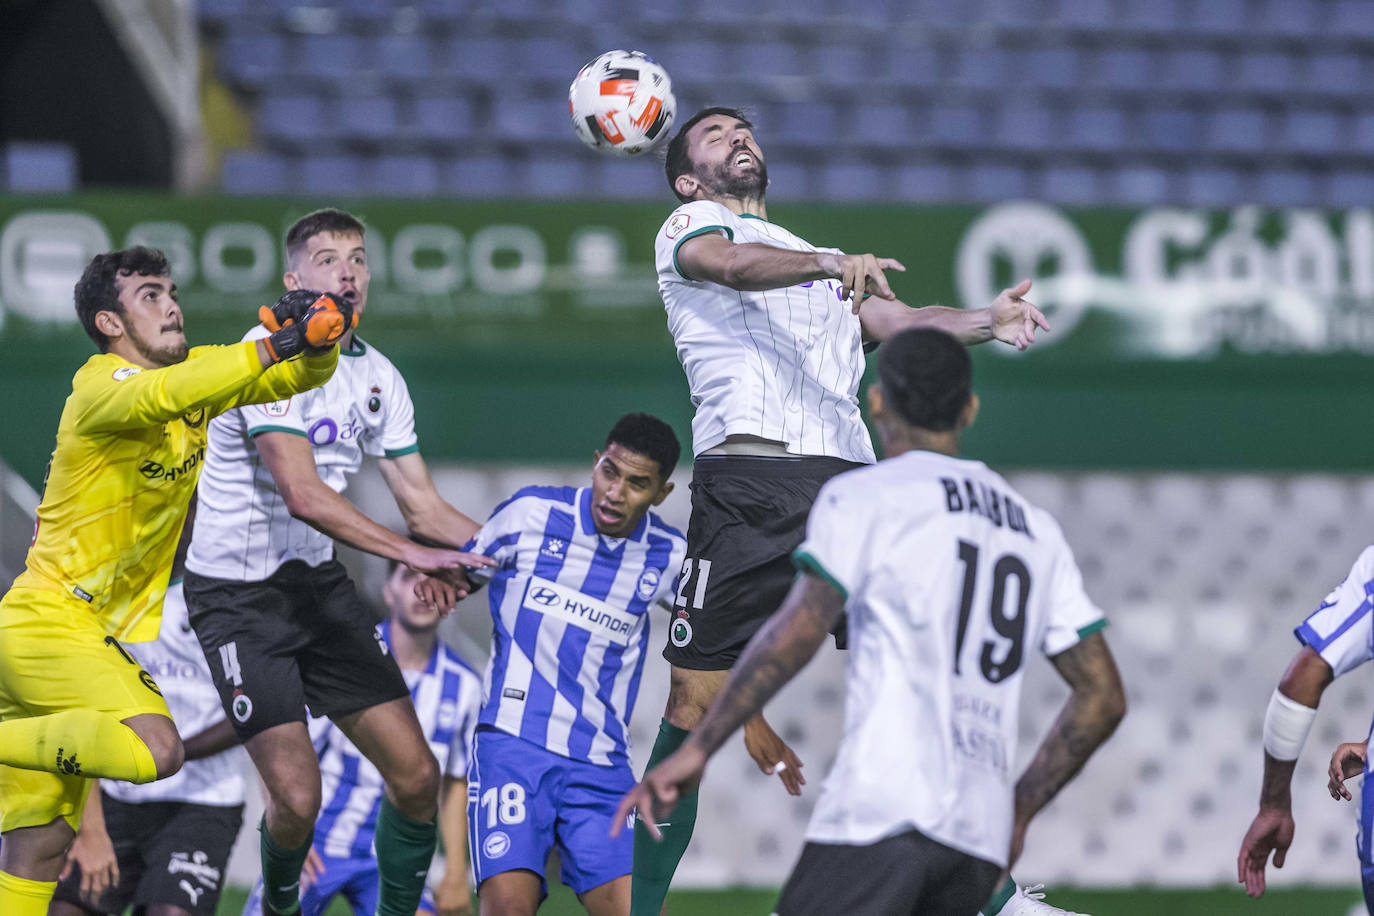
x: 242, y: 528
x: 951, y: 580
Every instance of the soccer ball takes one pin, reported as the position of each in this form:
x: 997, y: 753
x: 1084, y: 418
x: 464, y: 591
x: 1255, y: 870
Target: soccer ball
x: 622, y: 102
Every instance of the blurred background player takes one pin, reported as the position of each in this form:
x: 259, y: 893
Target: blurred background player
x: 446, y: 693
x: 774, y: 378
x: 1336, y: 638
x: 578, y: 571
x: 278, y: 616
x: 163, y: 847
x: 73, y: 703
x: 918, y: 814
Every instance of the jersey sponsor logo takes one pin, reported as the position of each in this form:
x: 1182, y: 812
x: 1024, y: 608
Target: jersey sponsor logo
x: 124, y: 372
x: 241, y: 706
x: 326, y: 431
x: 155, y: 471
x: 277, y: 408
x: 680, y: 633
x: 677, y: 224
x: 554, y: 547
x: 496, y: 845
x: 647, y: 586
x: 197, y: 865
x: 546, y: 597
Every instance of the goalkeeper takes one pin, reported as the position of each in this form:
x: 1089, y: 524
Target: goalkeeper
x: 73, y: 704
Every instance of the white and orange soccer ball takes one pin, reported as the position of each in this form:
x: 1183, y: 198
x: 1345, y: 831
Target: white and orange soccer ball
x: 622, y: 102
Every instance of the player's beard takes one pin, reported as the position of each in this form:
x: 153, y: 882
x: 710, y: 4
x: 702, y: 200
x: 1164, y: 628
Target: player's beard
x: 721, y: 181
x: 158, y: 356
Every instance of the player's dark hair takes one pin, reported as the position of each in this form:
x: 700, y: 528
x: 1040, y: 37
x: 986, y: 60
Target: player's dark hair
x: 312, y: 224
x: 95, y: 291
x: 648, y: 436
x: 679, y: 159
x: 926, y: 378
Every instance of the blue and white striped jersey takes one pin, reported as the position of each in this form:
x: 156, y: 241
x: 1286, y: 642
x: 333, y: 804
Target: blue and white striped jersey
x: 569, y: 608
x: 445, y: 695
x: 1340, y: 629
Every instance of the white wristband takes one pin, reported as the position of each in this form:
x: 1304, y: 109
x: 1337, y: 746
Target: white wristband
x: 1286, y: 724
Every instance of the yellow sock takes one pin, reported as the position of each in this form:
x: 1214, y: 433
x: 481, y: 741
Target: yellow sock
x: 76, y: 742
x: 22, y: 897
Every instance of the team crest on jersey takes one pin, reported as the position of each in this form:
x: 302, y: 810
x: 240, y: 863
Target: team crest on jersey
x: 679, y: 222
x: 496, y: 845
x: 374, y: 403
x: 448, y: 714
x: 680, y: 633
x: 554, y: 547
x: 648, y: 583
x: 124, y: 372
x: 277, y: 408
x: 242, y: 706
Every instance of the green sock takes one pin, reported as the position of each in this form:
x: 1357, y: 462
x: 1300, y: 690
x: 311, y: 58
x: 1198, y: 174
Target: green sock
x: 999, y: 898
x: 655, y: 862
x: 281, y: 873
x: 404, y: 850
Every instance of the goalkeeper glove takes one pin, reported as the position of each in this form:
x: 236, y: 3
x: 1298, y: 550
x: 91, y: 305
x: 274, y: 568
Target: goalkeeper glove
x: 305, y: 321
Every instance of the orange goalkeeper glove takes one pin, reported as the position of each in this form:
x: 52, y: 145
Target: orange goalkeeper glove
x: 305, y: 321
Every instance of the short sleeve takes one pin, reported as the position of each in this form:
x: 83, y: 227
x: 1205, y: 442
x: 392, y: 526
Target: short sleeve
x: 1339, y: 630
x: 498, y: 536
x: 286, y: 416
x: 1072, y: 614
x: 835, y: 541
x: 397, y: 435
x: 687, y: 222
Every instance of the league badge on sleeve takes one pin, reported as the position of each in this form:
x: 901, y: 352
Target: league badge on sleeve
x: 277, y: 408
x: 679, y: 222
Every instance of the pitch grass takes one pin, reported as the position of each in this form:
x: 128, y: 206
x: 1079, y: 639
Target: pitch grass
x: 1137, y: 902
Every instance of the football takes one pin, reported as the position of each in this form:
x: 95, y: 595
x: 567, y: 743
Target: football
x: 622, y: 102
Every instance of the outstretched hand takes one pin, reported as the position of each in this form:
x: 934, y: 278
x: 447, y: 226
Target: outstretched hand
x: 1014, y: 319
x: 1271, y: 831
x: 659, y: 792
x: 1346, y: 761
x: 445, y: 579
x: 862, y: 275
x: 772, y: 755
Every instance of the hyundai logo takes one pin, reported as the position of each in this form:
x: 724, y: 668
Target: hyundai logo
x: 152, y: 470
x: 544, y: 596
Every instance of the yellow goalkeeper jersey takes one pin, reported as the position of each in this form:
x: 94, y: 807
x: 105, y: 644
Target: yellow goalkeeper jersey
x: 129, y: 450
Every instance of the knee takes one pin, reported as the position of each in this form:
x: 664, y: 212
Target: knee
x: 159, y: 734
x: 294, y: 807
x: 415, y: 788
x: 499, y: 899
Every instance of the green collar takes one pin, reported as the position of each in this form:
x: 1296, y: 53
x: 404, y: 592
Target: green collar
x: 358, y: 348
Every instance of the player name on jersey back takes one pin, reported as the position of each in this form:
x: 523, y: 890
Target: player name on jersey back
x: 964, y: 494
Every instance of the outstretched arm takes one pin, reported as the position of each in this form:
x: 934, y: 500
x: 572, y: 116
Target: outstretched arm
x: 1299, y: 692
x: 755, y: 266
x: 1091, y: 714
x: 428, y: 515
x: 773, y: 657
x: 1011, y: 319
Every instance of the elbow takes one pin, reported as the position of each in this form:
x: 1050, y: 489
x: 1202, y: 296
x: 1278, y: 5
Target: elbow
x: 299, y: 503
x: 1115, y: 707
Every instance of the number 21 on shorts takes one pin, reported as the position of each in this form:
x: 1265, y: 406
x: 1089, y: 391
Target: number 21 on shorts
x: 702, y: 568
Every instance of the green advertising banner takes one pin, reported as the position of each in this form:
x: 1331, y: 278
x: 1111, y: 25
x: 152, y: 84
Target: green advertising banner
x: 1182, y: 338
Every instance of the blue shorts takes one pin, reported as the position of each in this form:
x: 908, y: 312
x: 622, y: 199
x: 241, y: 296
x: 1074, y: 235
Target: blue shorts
x: 355, y: 879
x: 524, y: 800
x: 1364, y: 840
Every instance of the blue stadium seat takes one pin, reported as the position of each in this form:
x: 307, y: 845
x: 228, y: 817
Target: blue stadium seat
x: 1219, y: 16
x: 334, y: 173
x: 1350, y: 189
x: 531, y: 118
x: 518, y: 10
x: 1140, y: 185
x: 1193, y: 69
x: 1150, y: 15
x: 986, y: 68
x: 1068, y: 184
x: 372, y: 117
x: 774, y: 58
x: 1308, y: 131
x: 557, y: 176
x: 810, y: 123
x: 256, y: 172
x: 1287, y: 188
x: 1352, y: 17
x: 1084, y: 14
x: 1125, y: 68
x: 1336, y: 73
x: 837, y: 64
x: 480, y: 176
x: 336, y: 56
x: 912, y: 65
x: 1213, y: 187
x: 297, y: 118
x: 885, y: 124
x: 1097, y: 128
x: 443, y: 119
x: 405, y: 56
x: 38, y: 166
x: 253, y: 59
x: 487, y: 60
x: 443, y: 11
x: 1010, y: 13
x: 1239, y: 129
x: 404, y: 176
x: 1022, y: 124
x: 1363, y: 139
x: 550, y: 58
x: 948, y: 13
x: 692, y: 58
x: 960, y: 125
x: 790, y: 180
x: 852, y: 181
x: 1059, y: 68
x: 932, y: 183
x: 1170, y: 128
x: 632, y: 179
x: 1265, y: 70
x: 1289, y: 17
x: 990, y: 183
x: 220, y: 10
x: 725, y: 11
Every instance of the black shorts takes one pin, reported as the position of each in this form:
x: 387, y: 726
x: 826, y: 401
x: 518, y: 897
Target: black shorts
x: 301, y: 637
x: 748, y: 515
x: 904, y: 875
x: 168, y: 853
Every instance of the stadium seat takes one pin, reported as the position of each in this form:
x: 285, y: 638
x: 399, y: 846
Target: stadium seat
x: 912, y: 65
x: 331, y: 174
x: 296, y: 119
x: 1194, y: 70
x: 1170, y: 128
x: 1351, y: 17
x: 809, y: 123
x: 1239, y: 129
x: 484, y: 59
x: 1084, y: 14
x: 790, y: 179
x: 996, y: 183
x: 404, y: 176
x: 480, y: 176
x: 253, y: 59
x: 1349, y: 189
x: 887, y: 124
x: 407, y: 57
x: 985, y: 68
x: 1219, y: 16
x: 1022, y: 124
x: 1363, y: 133
x: 549, y: 58
x: 558, y: 176
x: 1097, y: 128
x: 1308, y: 131
x: 634, y: 179
x: 958, y: 125
x: 1058, y: 68
x: 1335, y: 73
x: 446, y: 118
x: 850, y: 180
x: 374, y: 118
x: 1212, y: 187
x: 1141, y: 185
x: 1074, y: 185
x: 531, y: 118
x: 948, y: 13
x: 336, y: 57
x: 1270, y: 71
x: 443, y: 12
x: 1289, y: 17
x: 1150, y: 15
x: 1286, y: 188
x: 38, y: 166
x: 775, y: 58
x: 256, y: 172
x: 1125, y: 68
